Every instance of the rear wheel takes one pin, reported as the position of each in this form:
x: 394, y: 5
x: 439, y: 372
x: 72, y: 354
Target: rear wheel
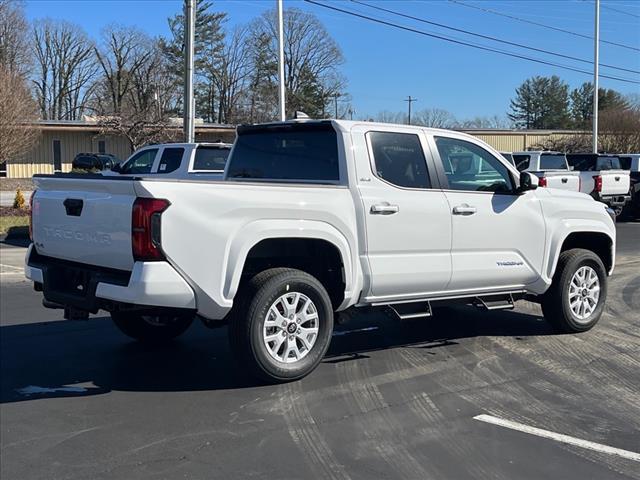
x: 151, y: 328
x: 575, y: 300
x: 282, y: 325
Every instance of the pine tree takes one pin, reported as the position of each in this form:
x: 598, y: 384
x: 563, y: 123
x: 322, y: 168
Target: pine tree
x: 541, y: 103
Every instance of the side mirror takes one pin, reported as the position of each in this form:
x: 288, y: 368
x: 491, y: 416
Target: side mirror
x: 116, y: 168
x: 528, y: 181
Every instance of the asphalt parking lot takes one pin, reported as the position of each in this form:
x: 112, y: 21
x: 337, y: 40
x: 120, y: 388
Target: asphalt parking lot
x: 391, y: 400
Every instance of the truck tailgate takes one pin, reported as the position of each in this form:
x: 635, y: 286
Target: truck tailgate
x: 615, y: 182
x: 85, y: 220
x: 563, y: 180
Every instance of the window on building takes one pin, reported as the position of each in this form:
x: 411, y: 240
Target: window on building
x: 102, y: 146
x: 399, y: 159
x: 57, y: 156
x: 3, y: 169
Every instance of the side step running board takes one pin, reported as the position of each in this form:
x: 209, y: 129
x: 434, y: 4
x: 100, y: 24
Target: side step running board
x: 407, y: 311
x: 502, y: 302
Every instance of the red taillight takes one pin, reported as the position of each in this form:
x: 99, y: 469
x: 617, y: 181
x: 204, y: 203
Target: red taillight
x: 31, y: 215
x: 145, y: 228
x: 542, y: 182
x: 597, y: 183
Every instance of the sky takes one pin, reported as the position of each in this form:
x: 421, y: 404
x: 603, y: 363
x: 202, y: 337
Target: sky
x: 383, y: 65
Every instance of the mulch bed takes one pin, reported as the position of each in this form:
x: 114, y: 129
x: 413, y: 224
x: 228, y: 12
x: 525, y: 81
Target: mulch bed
x: 12, y: 184
x: 13, y: 212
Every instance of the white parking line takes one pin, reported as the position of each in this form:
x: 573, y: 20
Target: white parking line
x: 18, y: 269
x: 558, y: 437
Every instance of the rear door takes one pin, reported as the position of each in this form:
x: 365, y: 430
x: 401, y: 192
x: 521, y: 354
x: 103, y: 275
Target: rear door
x: 84, y: 220
x: 406, y: 215
x: 498, y: 237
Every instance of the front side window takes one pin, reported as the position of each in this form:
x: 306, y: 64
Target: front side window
x: 210, y: 159
x: 522, y: 162
x: 141, y: 162
x: 471, y: 168
x: 399, y: 159
x: 170, y: 160
x: 306, y: 153
x: 553, y: 162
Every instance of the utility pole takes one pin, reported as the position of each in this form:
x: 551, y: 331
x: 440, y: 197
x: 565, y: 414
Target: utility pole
x: 351, y: 112
x: 283, y: 114
x: 335, y: 104
x: 596, y: 59
x: 189, y: 36
x: 410, y: 99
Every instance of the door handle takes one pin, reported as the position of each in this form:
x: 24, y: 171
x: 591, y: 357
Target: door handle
x: 464, y: 209
x: 384, y: 209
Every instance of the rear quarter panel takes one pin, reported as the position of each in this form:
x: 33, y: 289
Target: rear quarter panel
x: 211, y: 226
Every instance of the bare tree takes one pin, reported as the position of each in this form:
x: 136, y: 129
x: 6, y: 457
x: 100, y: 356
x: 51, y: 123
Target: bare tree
x: 434, y: 117
x: 14, y: 50
x: 232, y: 79
x: 65, y: 69
x: 138, y: 130
x: 17, y: 111
x: 124, y: 52
x: 312, y: 59
x: 495, y: 121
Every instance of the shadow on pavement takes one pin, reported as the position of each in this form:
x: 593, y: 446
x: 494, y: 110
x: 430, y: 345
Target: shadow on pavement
x: 72, y: 359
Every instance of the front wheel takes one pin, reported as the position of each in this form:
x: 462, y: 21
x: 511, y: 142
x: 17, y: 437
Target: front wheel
x: 575, y: 301
x: 283, y: 324
x: 151, y: 328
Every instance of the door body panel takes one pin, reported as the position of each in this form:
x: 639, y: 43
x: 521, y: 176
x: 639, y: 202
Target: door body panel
x: 500, y: 245
x: 408, y: 230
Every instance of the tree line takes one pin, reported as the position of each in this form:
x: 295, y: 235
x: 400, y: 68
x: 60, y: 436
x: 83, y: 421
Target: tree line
x: 134, y: 82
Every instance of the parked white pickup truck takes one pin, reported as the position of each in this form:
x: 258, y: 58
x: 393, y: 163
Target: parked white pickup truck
x: 602, y: 177
x: 551, y: 168
x: 313, y: 218
x: 176, y: 160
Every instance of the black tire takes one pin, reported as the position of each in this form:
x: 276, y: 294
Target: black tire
x: 555, y: 302
x: 252, y: 304
x: 152, y: 328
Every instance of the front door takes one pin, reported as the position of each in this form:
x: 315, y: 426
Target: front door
x: 406, y: 215
x: 498, y: 236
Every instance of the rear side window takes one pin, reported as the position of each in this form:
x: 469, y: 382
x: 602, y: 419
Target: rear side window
x: 399, y: 159
x: 170, y: 160
x: 141, y: 162
x: 522, y: 162
x: 210, y: 159
x: 553, y: 162
x: 289, y: 153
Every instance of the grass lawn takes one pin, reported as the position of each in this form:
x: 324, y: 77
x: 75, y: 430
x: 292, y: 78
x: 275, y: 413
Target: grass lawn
x: 14, y: 221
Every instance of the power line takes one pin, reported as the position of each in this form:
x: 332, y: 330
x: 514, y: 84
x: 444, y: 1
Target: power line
x: 550, y: 27
x: 487, y: 37
x: 460, y: 42
x: 620, y: 11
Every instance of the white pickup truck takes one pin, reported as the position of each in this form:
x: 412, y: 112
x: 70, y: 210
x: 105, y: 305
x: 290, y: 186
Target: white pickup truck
x: 312, y: 218
x: 602, y: 177
x: 176, y: 160
x: 551, y: 168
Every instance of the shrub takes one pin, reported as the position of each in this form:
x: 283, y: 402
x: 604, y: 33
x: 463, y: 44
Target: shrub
x: 18, y: 200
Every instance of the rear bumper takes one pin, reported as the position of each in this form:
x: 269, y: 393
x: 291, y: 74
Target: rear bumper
x: 613, y: 200
x: 91, y: 288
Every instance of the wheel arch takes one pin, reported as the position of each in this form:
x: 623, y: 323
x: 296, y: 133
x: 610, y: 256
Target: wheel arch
x: 251, y: 245
x: 598, y: 241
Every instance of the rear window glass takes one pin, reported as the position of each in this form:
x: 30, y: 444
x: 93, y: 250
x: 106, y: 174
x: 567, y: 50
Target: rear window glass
x: 522, y: 161
x: 625, y: 163
x: 608, y: 163
x: 170, y: 160
x: 553, y: 162
x: 210, y: 159
x: 290, y: 153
